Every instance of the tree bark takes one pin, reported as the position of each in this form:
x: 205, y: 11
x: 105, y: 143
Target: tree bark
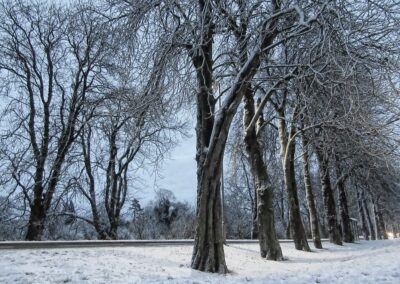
x: 347, y: 234
x: 287, y: 157
x: 380, y: 222
x: 364, y: 227
x: 269, y: 244
x: 368, y: 217
x: 36, y: 221
x: 329, y: 201
x: 208, y: 251
x: 310, y: 196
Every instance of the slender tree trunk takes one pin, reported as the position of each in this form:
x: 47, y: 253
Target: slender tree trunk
x: 310, y: 196
x: 343, y: 206
x: 395, y: 230
x: 379, y: 232
x: 287, y: 156
x: 329, y: 201
x: 269, y: 244
x: 296, y: 225
x: 253, y: 199
x: 380, y: 222
x: 324, y: 231
x: 368, y: 217
x: 364, y: 227
x: 287, y: 228
x: 254, y: 231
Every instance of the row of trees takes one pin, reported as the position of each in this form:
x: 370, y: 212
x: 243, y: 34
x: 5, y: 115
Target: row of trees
x: 161, y: 218
x: 299, y: 97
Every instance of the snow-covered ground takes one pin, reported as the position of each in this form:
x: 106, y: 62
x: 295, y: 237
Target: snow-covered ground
x: 364, y: 262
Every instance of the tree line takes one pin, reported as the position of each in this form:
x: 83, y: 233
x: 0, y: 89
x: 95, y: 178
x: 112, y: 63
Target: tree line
x: 296, y: 106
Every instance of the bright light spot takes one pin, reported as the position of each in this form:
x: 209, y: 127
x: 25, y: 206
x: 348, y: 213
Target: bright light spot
x: 390, y: 235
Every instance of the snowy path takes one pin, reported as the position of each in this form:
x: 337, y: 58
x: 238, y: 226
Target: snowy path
x: 365, y: 262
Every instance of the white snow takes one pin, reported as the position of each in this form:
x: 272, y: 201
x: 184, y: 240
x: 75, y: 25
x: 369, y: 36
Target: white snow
x: 364, y: 262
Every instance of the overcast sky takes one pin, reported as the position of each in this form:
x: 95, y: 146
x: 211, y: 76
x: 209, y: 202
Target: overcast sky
x: 178, y: 173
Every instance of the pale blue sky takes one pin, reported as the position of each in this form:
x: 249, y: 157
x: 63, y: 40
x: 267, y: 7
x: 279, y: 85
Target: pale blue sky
x: 178, y: 173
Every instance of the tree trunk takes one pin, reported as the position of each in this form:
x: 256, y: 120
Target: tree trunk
x: 269, y: 244
x: 368, y: 217
x: 36, y: 221
x: 395, y: 229
x: 310, y: 196
x: 208, y: 251
x: 343, y: 207
x: 329, y: 201
x: 254, y: 227
x: 287, y: 156
x: 380, y: 222
x: 364, y: 227
x: 379, y: 232
x: 253, y: 199
x: 296, y: 225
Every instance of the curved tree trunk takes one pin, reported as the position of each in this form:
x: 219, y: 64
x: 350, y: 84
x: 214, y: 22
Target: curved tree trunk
x: 269, y: 244
x: 310, y: 196
x: 329, y: 201
x: 208, y: 253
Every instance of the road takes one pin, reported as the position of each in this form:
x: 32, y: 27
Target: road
x: 118, y: 243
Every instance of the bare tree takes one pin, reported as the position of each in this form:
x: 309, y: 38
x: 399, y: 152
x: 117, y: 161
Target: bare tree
x: 52, y: 58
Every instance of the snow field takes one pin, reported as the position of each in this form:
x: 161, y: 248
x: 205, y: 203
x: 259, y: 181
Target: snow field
x: 363, y: 262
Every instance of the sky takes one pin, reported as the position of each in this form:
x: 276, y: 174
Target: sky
x: 177, y: 173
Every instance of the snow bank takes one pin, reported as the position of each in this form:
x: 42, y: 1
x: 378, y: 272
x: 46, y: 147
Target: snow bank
x: 364, y: 262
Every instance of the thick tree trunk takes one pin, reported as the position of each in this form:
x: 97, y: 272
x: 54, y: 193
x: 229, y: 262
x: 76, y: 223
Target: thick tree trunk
x: 361, y: 213
x: 343, y: 207
x: 287, y: 156
x: 269, y: 245
x: 208, y: 251
x: 313, y: 216
x: 329, y: 201
x: 36, y: 221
